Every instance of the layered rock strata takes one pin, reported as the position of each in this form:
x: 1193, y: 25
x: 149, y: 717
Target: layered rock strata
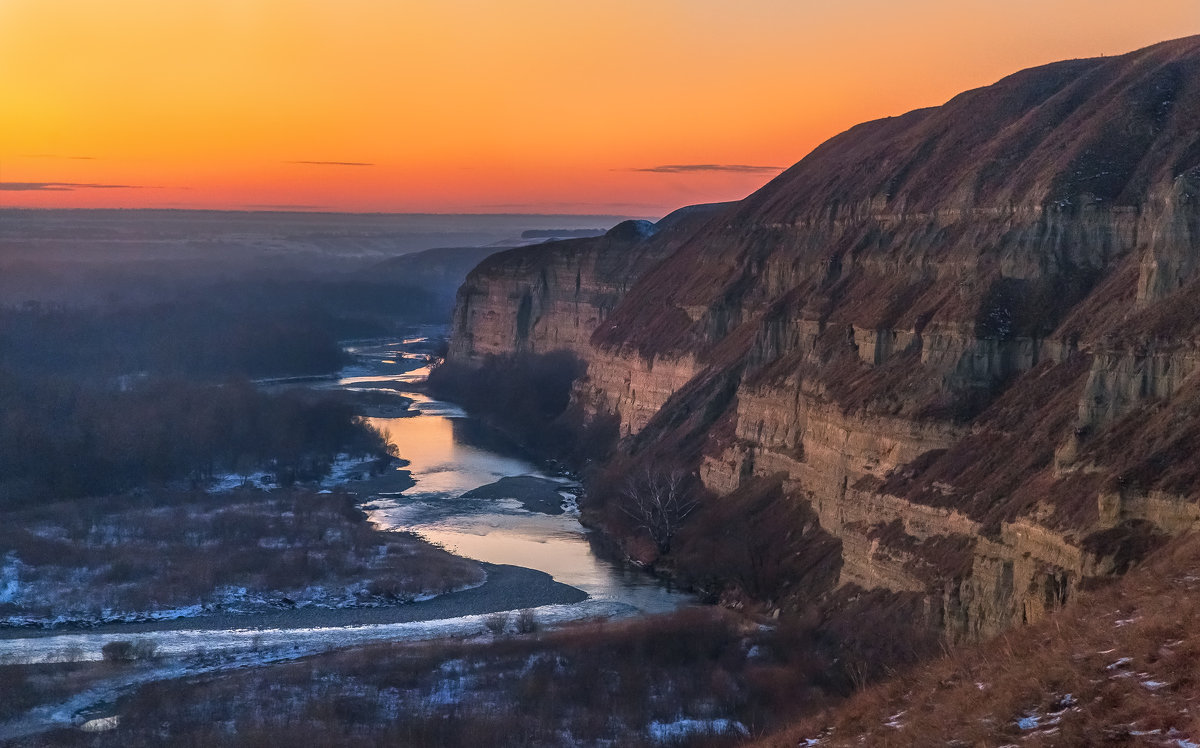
x: 967, y: 337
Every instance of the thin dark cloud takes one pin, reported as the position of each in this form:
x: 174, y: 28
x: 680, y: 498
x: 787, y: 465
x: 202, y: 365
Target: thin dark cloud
x: 690, y: 168
x: 283, y: 206
x: 55, y: 155
x: 330, y: 163
x: 63, y: 186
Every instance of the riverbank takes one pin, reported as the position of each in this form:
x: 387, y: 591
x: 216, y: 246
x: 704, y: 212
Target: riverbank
x: 535, y: 494
x: 166, y: 556
x: 507, y: 588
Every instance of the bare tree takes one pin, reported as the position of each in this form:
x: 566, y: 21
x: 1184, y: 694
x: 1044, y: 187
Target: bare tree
x: 497, y: 623
x: 659, y: 503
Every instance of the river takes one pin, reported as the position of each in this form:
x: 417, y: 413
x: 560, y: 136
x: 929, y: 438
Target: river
x: 447, y: 454
x: 450, y: 454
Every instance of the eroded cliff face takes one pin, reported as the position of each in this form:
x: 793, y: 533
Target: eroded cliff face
x: 967, y: 338
x: 554, y: 296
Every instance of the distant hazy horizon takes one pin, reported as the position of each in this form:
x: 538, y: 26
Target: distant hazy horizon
x: 81, y: 255
x: 319, y: 211
x: 122, y: 224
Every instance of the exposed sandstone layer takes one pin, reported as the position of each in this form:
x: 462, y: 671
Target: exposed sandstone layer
x: 968, y: 337
x: 553, y: 296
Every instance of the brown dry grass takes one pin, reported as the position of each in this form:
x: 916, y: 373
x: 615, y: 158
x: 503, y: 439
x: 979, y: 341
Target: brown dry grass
x: 978, y: 695
x: 164, y: 551
x: 23, y: 687
x: 1003, y: 466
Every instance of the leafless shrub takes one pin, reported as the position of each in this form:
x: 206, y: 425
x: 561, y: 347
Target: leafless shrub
x: 145, y: 649
x: 526, y: 622
x: 658, y: 502
x: 121, y: 652
x: 497, y: 623
x: 125, y: 652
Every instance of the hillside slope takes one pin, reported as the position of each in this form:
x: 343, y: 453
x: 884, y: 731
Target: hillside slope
x: 961, y: 343
x: 1116, y: 667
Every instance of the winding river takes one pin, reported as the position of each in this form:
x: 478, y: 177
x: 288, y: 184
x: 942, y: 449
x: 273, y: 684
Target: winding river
x: 446, y: 454
x: 450, y: 454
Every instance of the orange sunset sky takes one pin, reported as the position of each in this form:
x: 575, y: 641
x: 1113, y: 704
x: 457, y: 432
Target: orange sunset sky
x: 552, y: 106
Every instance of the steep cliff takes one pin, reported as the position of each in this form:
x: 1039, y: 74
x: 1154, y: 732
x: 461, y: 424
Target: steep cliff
x: 553, y: 296
x: 965, y: 338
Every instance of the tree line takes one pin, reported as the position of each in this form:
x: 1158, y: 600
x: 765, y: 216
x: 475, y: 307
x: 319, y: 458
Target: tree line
x: 118, y: 395
x: 252, y: 329
x: 63, y: 439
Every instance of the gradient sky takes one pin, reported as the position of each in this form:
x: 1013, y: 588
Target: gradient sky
x: 560, y: 106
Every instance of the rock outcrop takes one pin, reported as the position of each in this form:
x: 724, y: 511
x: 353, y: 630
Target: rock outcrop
x: 966, y: 337
x: 554, y: 296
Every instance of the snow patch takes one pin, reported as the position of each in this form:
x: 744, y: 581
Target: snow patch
x: 664, y: 732
x: 102, y: 724
x: 453, y: 689
x: 10, y: 578
x: 264, y: 644
x: 346, y: 468
x: 236, y: 601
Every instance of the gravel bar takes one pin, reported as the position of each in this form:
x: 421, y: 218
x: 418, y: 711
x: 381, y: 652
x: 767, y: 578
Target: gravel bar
x: 507, y: 588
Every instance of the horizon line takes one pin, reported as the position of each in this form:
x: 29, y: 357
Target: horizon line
x: 14, y: 208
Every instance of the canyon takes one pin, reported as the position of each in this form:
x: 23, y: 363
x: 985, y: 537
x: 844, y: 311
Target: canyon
x: 965, y: 340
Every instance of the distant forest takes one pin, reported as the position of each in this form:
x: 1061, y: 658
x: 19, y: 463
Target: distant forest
x: 250, y: 329
x: 105, y: 398
x: 64, y: 440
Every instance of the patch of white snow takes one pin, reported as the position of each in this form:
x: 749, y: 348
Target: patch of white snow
x: 10, y: 579
x: 680, y: 729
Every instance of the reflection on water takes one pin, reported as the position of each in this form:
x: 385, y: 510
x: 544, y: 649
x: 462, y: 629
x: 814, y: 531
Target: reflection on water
x: 450, y: 454
x: 443, y: 459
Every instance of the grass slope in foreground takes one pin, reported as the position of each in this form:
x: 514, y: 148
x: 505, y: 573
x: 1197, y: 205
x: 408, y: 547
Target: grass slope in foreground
x: 1120, y: 666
